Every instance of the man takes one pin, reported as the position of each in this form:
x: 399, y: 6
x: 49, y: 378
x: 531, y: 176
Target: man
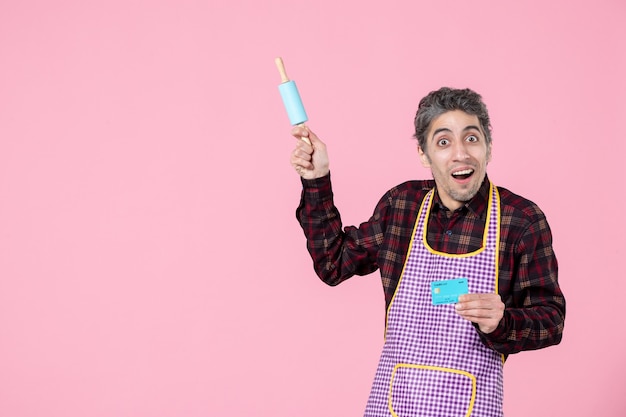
x: 441, y: 359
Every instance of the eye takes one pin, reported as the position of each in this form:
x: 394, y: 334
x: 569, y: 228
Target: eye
x: 472, y: 138
x: 443, y: 142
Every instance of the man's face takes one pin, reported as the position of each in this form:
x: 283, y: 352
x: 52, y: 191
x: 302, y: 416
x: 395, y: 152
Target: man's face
x: 457, y: 154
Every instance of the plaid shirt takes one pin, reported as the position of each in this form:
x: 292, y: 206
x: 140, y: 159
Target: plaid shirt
x: 535, y: 307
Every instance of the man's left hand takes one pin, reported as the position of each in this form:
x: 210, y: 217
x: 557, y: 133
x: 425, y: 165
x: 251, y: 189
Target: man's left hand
x: 486, y: 310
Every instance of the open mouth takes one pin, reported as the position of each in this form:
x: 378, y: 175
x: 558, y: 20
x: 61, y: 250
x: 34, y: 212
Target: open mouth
x: 463, y: 174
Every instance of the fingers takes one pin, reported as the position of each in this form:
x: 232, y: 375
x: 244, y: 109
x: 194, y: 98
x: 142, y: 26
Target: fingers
x: 301, y: 132
x: 480, y: 305
x: 486, y: 310
x: 309, y: 158
x: 301, y: 156
x: 479, y: 298
x: 304, y: 133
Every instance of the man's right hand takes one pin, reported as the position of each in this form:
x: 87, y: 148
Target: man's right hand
x: 310, y: 161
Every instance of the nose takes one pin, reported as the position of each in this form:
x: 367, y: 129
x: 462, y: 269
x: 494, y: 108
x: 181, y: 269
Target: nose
x: 459, y: 150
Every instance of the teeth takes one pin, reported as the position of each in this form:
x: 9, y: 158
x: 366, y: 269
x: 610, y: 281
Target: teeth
x: 464, y: 172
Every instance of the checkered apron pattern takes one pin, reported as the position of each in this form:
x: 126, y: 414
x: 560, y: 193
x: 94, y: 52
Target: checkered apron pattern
x: 433, y: 363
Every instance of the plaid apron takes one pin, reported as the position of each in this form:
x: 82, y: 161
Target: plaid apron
x: 433, y: 363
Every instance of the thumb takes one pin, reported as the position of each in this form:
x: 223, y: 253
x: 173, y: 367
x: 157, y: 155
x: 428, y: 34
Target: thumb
x: 312, y: 138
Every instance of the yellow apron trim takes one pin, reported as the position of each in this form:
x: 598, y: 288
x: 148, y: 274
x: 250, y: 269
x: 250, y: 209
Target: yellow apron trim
x: 498, y: 212
x: 434, y: 368
x: 462, y: 255
x: 497, y: 263
x: 417, y: 219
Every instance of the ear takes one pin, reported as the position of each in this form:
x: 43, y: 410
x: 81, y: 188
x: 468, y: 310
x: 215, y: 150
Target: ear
x: 424, y: 159
x: 489, y: 152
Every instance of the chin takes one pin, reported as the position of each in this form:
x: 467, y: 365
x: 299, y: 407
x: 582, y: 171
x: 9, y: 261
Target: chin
x: 465, y: 196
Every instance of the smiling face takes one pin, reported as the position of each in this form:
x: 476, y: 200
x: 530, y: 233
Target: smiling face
x: 457, y: 154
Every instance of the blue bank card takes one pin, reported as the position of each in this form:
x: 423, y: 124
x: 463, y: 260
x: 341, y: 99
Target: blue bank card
x: 448, y: 290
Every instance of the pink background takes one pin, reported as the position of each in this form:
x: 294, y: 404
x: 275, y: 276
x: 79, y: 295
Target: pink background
x: 150, y: 261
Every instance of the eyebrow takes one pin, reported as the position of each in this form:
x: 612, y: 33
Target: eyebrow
x: 445, y: 129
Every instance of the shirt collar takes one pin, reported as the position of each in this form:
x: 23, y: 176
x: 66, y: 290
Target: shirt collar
x: 477, y: 205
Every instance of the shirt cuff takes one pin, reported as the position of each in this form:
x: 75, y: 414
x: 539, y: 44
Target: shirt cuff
x: 498, y: 336
x: 317, y: 189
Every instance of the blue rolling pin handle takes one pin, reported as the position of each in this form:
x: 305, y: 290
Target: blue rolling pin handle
x: 293, y: 103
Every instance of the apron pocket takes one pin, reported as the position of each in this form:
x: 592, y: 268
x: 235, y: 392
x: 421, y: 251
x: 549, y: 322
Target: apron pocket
x: 430, y: 391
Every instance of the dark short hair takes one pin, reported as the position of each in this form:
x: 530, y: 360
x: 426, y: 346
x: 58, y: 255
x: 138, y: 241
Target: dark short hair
x: 447, y: 99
